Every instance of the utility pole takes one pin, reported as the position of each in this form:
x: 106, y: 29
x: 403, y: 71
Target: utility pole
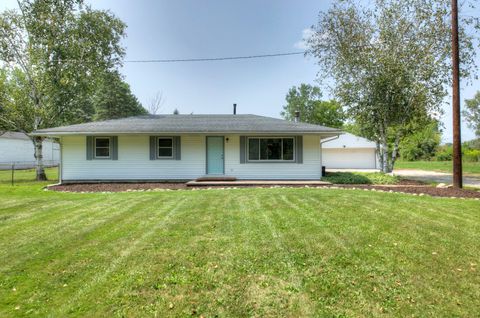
x: 457, y: 142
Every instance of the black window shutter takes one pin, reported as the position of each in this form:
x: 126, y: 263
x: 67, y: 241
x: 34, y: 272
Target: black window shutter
x: 243, y: 148
x: 299, y: 149
x: 153, y: 151
x: 89, y: 149
x: 114, y: 147
x: 177, y: 147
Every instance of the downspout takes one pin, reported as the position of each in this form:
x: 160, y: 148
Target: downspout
x: 321, y: 149
x: 60, y: 161
x: 327, y: 140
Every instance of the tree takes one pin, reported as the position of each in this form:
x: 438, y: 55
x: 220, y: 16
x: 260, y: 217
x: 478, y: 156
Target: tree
x: 307, y: 99
x: 46, y: 50
x: 390, y: 64
x: 176, y: 112
x: 156, y: 103
x: 472, y: 113
x: 422, y: 144
x: 113, y: 99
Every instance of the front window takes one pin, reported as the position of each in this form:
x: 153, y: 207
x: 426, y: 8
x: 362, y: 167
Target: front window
x: 102, y: 147
x: 165, y: 147
x: 270, y: 149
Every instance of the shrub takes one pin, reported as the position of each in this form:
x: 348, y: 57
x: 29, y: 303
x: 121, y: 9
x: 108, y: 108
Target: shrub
x: 471, y: 155
x: 422, y: 144
x: 444, y: 153
x: 360, y: 178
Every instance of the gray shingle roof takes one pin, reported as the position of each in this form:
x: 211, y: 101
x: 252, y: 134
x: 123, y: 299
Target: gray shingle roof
x: 189, y: 124
x: 13, y: 135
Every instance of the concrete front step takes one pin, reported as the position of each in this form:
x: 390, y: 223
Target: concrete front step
x: 195, y: 183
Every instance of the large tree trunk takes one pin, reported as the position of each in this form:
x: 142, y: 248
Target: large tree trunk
x: 380, y: 155
x: 385, y: 165
x: 384, y: 151
x: 39, y: 167
x: 394, y: 151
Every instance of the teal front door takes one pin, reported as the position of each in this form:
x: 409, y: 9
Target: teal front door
x: 215, y: 149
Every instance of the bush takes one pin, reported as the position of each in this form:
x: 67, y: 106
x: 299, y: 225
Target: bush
x: 444, y: 153
x: 421, y: 145
x: 471, y: 155
x: 360, y: 178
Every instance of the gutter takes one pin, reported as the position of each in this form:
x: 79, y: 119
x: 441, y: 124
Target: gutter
x: 96, y: 133
x: 327, y: 140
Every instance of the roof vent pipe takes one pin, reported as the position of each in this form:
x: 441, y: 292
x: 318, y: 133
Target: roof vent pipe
x: 234, y: 109
x: 297, y: 116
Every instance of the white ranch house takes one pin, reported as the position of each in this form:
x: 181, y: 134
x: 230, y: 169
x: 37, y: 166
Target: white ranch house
x: 186, y: 147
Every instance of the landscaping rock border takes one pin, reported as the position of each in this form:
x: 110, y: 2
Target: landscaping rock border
x: 413, y: 188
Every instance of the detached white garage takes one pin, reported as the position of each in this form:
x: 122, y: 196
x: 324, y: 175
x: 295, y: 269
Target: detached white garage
x: 349, y: 152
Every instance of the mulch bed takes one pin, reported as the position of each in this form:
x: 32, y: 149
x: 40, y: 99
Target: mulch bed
x: 405, y: 186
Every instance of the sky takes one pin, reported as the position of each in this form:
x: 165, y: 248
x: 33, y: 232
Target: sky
x: 215, y: 28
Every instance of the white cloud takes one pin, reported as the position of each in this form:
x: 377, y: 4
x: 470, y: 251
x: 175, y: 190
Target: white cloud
x: 306, y: 35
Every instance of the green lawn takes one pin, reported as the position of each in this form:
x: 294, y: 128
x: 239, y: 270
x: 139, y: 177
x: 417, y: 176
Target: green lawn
x: 238, y: 252
x: 26, y: 176
x: 442, y: 166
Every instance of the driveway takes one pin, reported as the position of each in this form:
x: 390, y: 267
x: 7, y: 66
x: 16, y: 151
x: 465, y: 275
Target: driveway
x: 433, y: 176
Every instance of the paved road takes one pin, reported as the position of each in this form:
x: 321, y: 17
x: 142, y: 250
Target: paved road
x: 433, y: 176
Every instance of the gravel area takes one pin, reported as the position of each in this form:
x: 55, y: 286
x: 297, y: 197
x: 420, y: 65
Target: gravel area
x: 435, y: 176
x: 405, y: 186
x: 420, y: 190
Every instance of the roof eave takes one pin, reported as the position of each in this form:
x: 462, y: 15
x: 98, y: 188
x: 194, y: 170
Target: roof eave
x: 90, y: 133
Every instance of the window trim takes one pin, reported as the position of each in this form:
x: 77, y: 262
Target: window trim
x: 95, y: 147
x: 271, y: 160
x: 157, y: 148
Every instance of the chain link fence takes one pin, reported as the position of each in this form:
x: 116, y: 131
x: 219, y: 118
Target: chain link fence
x: 23, y: 165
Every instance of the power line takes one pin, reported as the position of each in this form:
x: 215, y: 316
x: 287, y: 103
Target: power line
x: 209, y: 59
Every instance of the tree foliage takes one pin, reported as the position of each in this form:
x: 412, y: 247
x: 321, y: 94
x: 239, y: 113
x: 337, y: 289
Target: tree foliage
x: 113, y: 99
x: 54, y: 52
x: 307, y: 99
x: 390, y: 64
x: 422, y: 144
x: 472, y: 113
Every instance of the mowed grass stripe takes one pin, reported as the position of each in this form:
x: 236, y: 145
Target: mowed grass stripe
x: 197, y: 278
x: 87, y: 254
x: 278, y: 227
x: 162, y: 216
x: 327, y: 259
x: 41, y: 213
x: 65, y: 232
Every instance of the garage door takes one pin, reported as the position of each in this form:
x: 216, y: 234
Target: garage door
x: 348, y: 158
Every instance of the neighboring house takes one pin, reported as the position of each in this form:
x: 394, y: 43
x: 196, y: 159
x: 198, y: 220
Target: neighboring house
x: 16, y: 147
x: 349, y: 152
x: 185, y: 147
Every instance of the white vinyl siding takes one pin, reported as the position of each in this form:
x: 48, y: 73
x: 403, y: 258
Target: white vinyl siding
x: 134, y: 161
